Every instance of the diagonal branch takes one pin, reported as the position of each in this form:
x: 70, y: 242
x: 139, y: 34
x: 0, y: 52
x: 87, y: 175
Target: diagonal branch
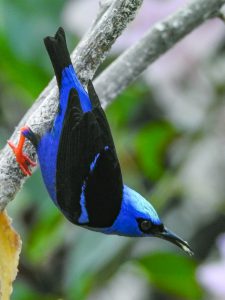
x: 152, y: 45
x: 87, y: 57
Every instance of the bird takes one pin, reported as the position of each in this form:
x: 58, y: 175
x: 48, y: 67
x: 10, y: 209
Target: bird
x: 79, y: 163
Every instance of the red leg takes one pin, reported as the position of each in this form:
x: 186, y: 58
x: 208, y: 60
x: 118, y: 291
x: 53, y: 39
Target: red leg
x: 23, y: 160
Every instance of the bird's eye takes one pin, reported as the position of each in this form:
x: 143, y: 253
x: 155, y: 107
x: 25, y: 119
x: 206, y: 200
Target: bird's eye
x: 145, y: 225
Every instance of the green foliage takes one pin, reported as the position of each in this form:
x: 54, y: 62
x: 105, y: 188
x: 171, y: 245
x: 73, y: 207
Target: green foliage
x: 173, y: 274
x: 26, y: 77
x: 120, y: 112
x: 21, y: 290
x: 151, y: 144
x: 23, y: 59
x: 50, y: 223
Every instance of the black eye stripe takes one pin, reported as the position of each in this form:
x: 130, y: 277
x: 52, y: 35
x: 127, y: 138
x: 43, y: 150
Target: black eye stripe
x: 144, y: 225
x: 147, y: 226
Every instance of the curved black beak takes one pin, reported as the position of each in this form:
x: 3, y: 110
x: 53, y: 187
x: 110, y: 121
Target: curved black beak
x: 173, y: 238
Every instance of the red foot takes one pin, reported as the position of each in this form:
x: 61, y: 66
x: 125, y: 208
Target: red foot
x: 23, y: 160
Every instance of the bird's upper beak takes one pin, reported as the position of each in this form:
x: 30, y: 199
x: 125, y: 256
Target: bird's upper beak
x: 173, y: 238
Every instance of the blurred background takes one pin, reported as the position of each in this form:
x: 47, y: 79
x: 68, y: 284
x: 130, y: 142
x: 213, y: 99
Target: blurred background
x: 169, y: 130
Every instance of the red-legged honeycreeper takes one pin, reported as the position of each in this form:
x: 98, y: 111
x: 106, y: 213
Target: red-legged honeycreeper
x: 79, y: 163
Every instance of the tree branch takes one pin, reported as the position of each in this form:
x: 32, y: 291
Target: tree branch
x: 151, y: 46
x: 87, y: 57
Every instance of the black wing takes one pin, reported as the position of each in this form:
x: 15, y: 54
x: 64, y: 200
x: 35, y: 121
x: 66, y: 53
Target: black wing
x: 86, y: 141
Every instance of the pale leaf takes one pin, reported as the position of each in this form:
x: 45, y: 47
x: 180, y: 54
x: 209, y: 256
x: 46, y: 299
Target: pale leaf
x: 10, y: 246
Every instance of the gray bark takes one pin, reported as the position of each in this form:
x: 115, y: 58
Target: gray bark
x: 163, y: 36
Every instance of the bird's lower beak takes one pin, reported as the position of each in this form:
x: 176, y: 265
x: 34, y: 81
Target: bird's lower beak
x: 173, y: 238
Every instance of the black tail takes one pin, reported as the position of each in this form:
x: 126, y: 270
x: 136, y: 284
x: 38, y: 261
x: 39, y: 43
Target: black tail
x: 58, y: 52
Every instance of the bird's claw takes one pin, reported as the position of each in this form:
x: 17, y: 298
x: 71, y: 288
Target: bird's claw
x: 23, y: 160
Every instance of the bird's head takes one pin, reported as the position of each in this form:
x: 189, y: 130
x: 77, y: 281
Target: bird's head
x: 137, y: 217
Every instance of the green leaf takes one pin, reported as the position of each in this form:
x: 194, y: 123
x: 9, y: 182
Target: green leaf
x: 151, y: 144
x: 173, y: 274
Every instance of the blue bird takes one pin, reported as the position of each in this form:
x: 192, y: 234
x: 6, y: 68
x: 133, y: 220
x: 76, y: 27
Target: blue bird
x: 79, y: 163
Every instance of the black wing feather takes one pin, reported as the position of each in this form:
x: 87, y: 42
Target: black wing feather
x: 85, y: 135
x: 78, y: 135
x: 65, y: 170
x: 93, y: 95
x: 104, y: 190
